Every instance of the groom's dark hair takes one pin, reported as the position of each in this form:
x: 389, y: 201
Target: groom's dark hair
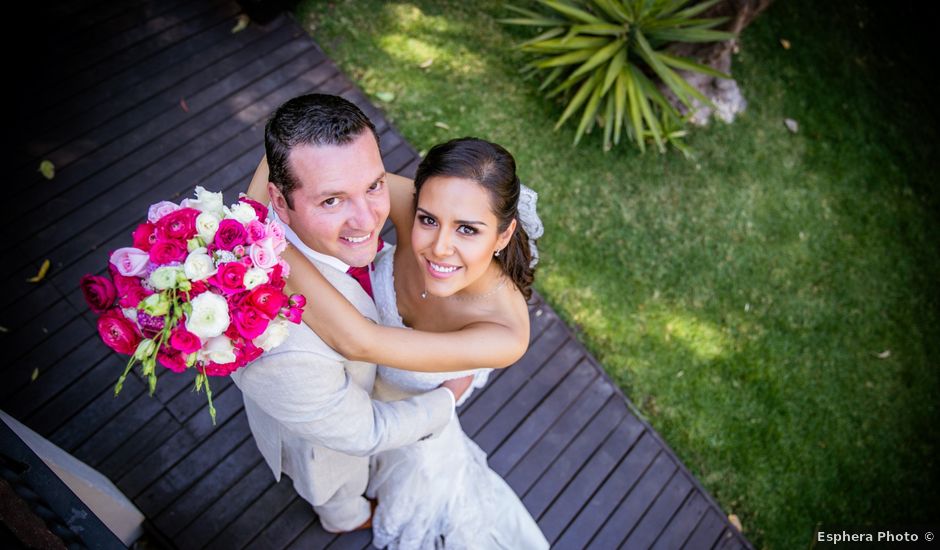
x: 312, y: 119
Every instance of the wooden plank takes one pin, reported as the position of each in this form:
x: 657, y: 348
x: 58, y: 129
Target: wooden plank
x: 355, y: 540
x: 204, y: 457
x: 61, y: 393
x: 477, y: 414
x: 176, y: 447
x: 502, y: 424
x: 23, y: 339
x: 575, y: 388
x: 86, y: 132
x: 119, y: 71
x: 173, y: 133
x: 707, y: 531
x: 199, y: 529
x: 729, y: 540
x: 588, y: 499
x: 682, y: 525
x: 253, y: 519
x: 399, y: 157
x: 63, y: 358
x: 139, y: 445
x: 654, y: 520
x: 117, y: 430
x: 207, y: 489
x: 286, y: 526
x: 524, y: 473
x: 312, y: 537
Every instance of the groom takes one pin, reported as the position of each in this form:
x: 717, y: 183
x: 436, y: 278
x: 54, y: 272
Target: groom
x: 309, y: 408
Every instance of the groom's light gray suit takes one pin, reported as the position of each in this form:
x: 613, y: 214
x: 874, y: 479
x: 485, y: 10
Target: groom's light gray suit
x: 312, y: 416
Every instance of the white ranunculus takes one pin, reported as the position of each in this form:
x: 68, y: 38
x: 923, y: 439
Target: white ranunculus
x: 165, y: 277
x: 207, y: 224
x: 145, y: 349
x: 273, y: 336
x: 243, y: 212
x: 218, y: 349
x: 206, y: 201
x: 199, y: 265
x: 209, y: 317
x: 255, y: 277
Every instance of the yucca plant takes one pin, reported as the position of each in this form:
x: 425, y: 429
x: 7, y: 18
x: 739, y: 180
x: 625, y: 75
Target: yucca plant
x: 606, y: 58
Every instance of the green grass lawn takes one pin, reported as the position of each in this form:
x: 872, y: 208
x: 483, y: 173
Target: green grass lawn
x: 769, y: 305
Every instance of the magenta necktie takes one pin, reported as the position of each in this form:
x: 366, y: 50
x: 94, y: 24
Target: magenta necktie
x: 361, y: 274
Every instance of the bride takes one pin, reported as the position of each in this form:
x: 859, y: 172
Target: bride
x: 452, y: 301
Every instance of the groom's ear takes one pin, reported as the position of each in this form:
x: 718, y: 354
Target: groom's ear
x: 279, y: 203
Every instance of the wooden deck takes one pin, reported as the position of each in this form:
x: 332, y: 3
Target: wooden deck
x: 140, y: 101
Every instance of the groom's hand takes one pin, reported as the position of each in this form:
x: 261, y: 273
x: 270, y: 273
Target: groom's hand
x: 458, y: 386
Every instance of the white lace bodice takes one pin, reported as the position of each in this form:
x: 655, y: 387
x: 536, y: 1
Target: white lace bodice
x: 386, y: 301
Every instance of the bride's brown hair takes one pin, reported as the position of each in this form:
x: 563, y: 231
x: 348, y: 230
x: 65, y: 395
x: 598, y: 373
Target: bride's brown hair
x: 494, y: 168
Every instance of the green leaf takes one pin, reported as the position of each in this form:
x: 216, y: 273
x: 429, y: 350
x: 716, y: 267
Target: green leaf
x: 691, y: 35
x: 636, y: 118
x: 569, y: 82
x: 609, y: 122
x: 696, y: 9
x: 564, y: 45
x: 689, y: 65
x: 535, y: 22
x: 613, y: 68
x: 620, y: 100
x: 571, y: 11
x: 566, y: 59
x: 550, y: 33
x: 552, y: 76
x: 651, y: 122
x: 587, y: 118
x: 613, y: 10
x: 599, y: 57
x: 578, y: 99
x: 47, y: 169
x: 601, y: 29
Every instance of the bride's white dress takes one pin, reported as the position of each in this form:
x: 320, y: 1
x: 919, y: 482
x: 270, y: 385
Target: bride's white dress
x: 438, y: 493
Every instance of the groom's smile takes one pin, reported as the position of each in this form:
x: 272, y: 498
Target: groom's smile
x: 342, y: 201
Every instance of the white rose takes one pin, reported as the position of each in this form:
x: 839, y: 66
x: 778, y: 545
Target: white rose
x: 209, y: 317
x: 243, y: 212
x: 255, y: 277
x: 206, y: 201
x: 199, y: 265
x: 218, y: 350
x: 207, y: 224
x: 165, y: 277
x: 273, y: 336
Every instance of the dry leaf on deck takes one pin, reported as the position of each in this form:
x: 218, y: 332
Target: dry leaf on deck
x: 735, y: 521
x: 47, y: 169
x: 43, y: 269
x: 183, y: 105
x: 241, y: 23
x: 35, y: 375
x: 4, y: 329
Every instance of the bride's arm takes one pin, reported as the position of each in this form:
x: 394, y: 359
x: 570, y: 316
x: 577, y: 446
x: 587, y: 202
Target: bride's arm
x: 342, y: 327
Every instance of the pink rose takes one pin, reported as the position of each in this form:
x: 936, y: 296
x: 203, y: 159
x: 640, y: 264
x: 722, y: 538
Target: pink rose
x: 266, y: 298
x: 275, y: 230
x: 166, y: 251
x: 99, y: 292
x: 256, y: 231
x: 184, y: 341
x: 129, y: 261
x: 260, y: 210
x: 215, y: 369
x: 294, y: 315
x: 129, y: 290
x: 230, y: 234
x: 278, y: 273
x: 144, y: 236
x: 297, y: 300
x: 118, y: 333
x: 172, y: 360
x: 161, y: 209
x: 247, y: 352
x: 249, y: 321
x: 263, y: 255
x: 178, y: 225
x: 231, y: 277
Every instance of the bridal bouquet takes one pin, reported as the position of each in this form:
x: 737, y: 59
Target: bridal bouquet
x: 202, y: 288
